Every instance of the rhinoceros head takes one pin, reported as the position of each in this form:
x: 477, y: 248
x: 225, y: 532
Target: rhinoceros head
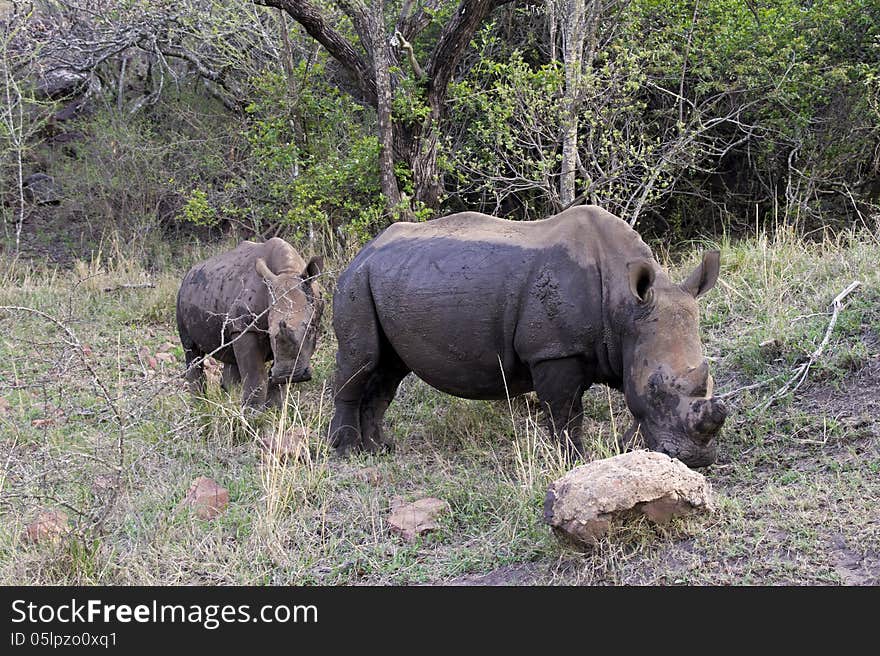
x: 294, y: 314
x: 667, y: 384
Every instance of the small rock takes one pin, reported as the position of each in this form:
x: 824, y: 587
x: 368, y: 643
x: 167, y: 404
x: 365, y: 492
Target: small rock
x: 206, y: 498
x: 770, y: 348
x: 49, y: 526
x: 165, y: 357
x: 372, y: 476
x: 293, y: 443
x: 213, y: 371
x: 165, y: 347
x: 413, y: 519
x: 582, y: 504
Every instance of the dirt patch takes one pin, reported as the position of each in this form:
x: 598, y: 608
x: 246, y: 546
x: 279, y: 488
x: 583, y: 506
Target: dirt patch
x: 521, y: 574
x: 48, y: 239
x: 856, y: 403
x: 852, y: 567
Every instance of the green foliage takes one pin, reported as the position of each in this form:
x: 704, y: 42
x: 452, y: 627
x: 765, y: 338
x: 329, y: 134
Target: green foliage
x: 686, y: 115
x: 198, y: 211
x: 800, y: 78
x: 310, y: 162
x: 694, y: 115
x: 513, y: 111
x: 409, y: 104
x: 511, y: 115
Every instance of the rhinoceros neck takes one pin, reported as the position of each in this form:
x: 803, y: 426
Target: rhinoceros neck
x: 609, y: 351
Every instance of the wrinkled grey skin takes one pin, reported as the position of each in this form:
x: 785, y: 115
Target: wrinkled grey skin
x: 484, y: 308
x: 260, y: 303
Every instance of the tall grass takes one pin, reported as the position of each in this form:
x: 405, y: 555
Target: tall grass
x: 311, y: 517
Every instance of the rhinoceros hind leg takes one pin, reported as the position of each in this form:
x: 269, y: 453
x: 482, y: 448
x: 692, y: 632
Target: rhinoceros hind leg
x: 195, y: 369
x: 349, y: 388
x: 230, y: 377
x: 357, y: 359
x: 378, y: 395
x: 560, y: 385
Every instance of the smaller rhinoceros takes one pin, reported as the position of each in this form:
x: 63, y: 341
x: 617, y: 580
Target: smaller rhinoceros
x: 245, y: 307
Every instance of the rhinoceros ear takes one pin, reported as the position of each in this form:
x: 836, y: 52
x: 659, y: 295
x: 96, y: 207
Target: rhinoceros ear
x: 264, y: 271
x: 704, y: 277
x: 314, y: 267
x: 641, y: 280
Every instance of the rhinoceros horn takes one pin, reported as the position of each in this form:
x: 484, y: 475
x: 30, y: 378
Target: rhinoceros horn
x: 707, y: 416
x: 696, y: 381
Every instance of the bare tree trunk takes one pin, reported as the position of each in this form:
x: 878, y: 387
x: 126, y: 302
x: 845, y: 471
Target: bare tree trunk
x: 572, y: 57
x: 416, y: 145
x: 287, y: 54
x: 381, y: 63
x: 369, y: 23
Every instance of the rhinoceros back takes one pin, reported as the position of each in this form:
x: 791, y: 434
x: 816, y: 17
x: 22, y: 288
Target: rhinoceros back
x: 220, y: 295
x: 469, y: 299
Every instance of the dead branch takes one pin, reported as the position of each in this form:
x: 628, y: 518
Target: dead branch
x: 398, y: 40
x: 140, y: 285
x: 72, y: 341
x: 800, y: 374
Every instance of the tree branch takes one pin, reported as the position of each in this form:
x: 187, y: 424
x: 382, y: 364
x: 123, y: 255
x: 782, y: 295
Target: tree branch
x: 311, y: 19
x: 455, y: 37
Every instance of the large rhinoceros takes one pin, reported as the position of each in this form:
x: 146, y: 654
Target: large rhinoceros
x: 484, y: 308
x: 245, y: 307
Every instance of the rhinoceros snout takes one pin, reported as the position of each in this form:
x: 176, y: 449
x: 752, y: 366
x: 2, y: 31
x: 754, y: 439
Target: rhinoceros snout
x: 708, y: 416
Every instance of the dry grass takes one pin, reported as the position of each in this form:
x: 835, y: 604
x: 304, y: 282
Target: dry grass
x: 93, y: 421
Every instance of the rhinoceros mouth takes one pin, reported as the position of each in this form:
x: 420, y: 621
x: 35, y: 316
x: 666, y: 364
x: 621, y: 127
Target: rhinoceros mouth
x: 291, y: 377
x: 692, y: 452
x: 691, y: 455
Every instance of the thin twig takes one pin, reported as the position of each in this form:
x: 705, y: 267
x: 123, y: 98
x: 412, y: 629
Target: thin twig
x: 800, y: 374
x: 724, y: 395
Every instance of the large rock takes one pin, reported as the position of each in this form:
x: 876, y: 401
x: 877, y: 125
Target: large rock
x: 413, y: 519
x: 206, y: 497
x: 59, y: 83
x: 49, y: 526
x: 582, y: 505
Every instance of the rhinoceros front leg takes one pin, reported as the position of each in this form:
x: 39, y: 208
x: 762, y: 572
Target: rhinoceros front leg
x: 252, y: 368
x: 278, y: 394
x: 560, y: 385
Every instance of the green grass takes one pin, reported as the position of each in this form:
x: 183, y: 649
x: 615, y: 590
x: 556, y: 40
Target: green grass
x: 797, y: 482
